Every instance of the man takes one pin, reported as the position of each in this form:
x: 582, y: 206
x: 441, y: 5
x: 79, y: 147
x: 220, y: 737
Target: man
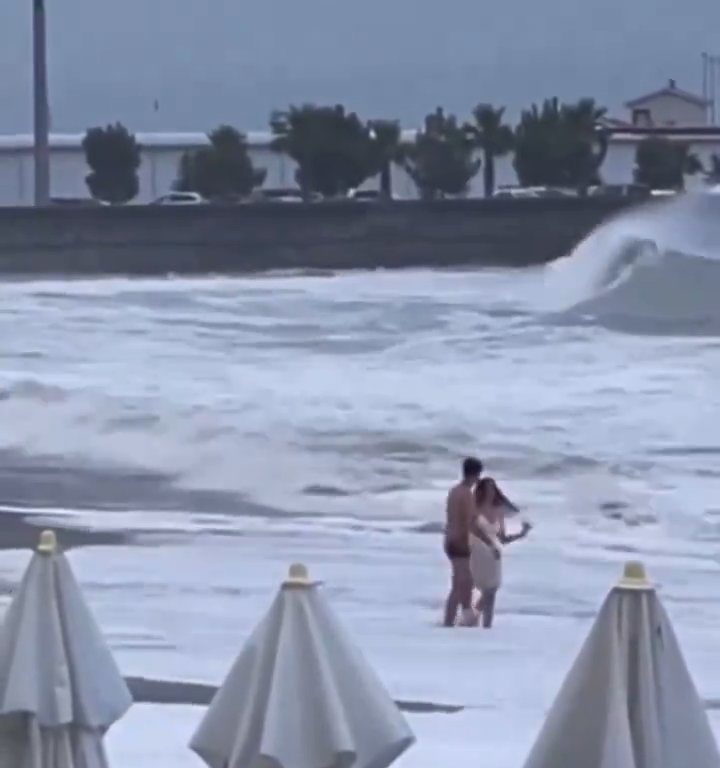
x: 460, y: 517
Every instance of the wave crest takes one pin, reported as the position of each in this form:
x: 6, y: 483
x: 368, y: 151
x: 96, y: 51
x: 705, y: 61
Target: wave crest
x: 652, y: 270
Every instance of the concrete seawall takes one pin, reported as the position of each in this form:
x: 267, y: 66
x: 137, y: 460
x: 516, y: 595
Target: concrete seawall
x: 337, y: 235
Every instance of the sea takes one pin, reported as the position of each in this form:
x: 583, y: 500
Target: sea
x: 231, y: 426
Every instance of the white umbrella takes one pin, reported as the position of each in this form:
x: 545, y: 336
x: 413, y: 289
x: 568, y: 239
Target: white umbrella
x: 301, y: 695
x: 60, y: 689
x: 629, y: 700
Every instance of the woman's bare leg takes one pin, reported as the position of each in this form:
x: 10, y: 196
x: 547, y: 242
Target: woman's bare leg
x: 480, y: 602
x: 488, y: 607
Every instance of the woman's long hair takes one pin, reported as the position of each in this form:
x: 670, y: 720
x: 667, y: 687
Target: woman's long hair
x: 487, y: 492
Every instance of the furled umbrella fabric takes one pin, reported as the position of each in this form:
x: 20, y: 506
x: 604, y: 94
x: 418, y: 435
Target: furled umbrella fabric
x: 628, y: 700
x: 60, y: 689
x: 301, y: 695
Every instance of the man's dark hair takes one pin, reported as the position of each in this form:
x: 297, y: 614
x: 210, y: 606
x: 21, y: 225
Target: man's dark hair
x: 472, y: 467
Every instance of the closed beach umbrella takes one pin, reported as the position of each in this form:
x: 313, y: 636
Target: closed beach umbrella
x: 629, y: 700
x: 301, y: 695
x: 60, y: 689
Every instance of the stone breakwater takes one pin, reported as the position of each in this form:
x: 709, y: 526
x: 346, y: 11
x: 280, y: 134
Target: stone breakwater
x: 158, y: 240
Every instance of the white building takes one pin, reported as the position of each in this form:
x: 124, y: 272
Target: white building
x: 620, y: 161
x: 668, y: 107
x: 669, y: 111
x: 161, y: 153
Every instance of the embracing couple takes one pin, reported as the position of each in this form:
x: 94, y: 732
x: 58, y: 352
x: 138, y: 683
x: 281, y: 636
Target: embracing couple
x: 474, y: 536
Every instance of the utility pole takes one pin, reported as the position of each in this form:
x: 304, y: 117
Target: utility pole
x: 40, y: 106
x: 710, y: 84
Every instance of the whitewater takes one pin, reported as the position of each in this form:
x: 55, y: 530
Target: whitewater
x: 232, y: 425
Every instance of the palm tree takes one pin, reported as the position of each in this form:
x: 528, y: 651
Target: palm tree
x: 561, y: 144
x: 590, y: 139
x: 492, y: 137
x: 540, y: 146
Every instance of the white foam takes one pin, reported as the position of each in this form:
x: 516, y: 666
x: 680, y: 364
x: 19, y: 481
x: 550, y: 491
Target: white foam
x: 421, y: 362
x: 653, y: 269
x: 371, y: 387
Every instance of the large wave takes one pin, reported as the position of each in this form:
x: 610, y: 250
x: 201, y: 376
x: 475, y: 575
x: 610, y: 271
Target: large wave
x: 652, y: 270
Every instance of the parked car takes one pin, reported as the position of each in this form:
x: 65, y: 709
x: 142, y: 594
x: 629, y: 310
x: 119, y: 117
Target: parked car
x: 181, y: 198
x: 514, y: 193
x: 369, y: 195
x: 282, y: 195
x: 634, y: 191
x: 517, y: 193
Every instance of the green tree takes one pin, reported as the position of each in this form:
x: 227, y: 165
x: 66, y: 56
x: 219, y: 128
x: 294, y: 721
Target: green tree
x: 492, y: 137
x: 560, y: 144
x: 662, y: 163
x: 441, y: 160
x: 334, y: 150
x: 589, y: 142
x: 114, y: 157
x: 221, y: 171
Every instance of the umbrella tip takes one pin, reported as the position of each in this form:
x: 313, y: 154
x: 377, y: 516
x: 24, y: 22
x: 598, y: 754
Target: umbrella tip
x: 298, y: 576
x: 47, y: 545
x: 634, y: 576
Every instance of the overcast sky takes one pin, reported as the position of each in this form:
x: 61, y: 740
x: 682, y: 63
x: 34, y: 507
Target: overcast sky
x: 212, y: 61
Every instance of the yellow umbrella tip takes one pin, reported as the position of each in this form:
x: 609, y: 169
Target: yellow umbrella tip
x: 634, y: 576
x: 298, y: 576
x: 48, y: 543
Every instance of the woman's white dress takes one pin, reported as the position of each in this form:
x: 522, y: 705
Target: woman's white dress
x: 485, y: 566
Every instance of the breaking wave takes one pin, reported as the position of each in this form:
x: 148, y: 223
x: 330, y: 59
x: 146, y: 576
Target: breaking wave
x: 653, y: 270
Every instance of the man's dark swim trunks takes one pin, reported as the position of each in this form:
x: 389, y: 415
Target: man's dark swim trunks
x: 457, y: 550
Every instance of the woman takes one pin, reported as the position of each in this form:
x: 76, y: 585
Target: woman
x: 486, y: 558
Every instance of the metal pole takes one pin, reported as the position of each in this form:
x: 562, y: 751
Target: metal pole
x: 40, y: 104
x: 704, y: 57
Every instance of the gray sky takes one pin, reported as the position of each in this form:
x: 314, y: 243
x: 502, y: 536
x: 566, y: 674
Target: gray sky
x: 212, y: 61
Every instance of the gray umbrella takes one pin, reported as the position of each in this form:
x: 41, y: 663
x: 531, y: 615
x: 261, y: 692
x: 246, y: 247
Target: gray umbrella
x: 60, y: 689
x: 301, y: 695
x: 628, y: 700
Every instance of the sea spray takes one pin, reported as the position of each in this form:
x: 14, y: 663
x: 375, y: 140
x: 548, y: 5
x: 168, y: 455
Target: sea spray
x: 652, y: 270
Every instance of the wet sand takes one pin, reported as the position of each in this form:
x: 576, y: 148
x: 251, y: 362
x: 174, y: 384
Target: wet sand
x: 149, y: 691
x: 54, y: 482
x: 18, y: 531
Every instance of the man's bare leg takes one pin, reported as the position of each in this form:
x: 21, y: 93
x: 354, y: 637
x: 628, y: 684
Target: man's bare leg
x: 460, y: 590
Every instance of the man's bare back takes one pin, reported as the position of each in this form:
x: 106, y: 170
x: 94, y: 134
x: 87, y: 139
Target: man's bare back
x: 459, y: 512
